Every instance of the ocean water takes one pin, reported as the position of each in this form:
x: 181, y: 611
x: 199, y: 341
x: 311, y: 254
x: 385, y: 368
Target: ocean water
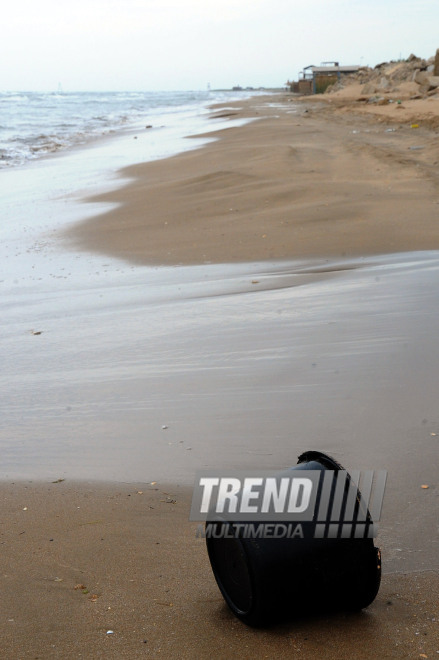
x: 35, y: 124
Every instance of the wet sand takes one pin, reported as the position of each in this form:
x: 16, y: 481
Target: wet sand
x: 329, y: 343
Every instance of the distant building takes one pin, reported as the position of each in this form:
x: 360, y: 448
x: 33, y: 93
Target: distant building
x: 315, y: 79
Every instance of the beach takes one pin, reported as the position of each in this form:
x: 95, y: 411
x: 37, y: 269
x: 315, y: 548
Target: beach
x: 85, y: 560
x: 299, y: 181
x: 271, y: 291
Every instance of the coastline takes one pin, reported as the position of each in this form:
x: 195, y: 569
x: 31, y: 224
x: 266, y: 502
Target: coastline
x: 305, y: 179
x: 317, y: 344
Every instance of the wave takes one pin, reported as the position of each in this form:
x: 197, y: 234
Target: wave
x: 34, y: 124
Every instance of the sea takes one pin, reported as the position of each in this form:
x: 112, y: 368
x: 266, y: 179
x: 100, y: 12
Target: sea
x: 36, y: 124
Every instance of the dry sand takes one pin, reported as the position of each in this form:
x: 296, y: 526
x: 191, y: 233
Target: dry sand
x: 302, y: 180
x: 80, y: 560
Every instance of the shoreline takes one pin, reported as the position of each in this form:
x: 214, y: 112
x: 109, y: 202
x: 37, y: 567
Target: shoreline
x: 289, y: 348
x: 295, y: 183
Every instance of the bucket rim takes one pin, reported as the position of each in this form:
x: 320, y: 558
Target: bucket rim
x: 327, y: 461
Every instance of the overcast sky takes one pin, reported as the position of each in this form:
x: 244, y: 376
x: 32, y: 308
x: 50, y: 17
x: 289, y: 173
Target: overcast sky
x: 186, y: 44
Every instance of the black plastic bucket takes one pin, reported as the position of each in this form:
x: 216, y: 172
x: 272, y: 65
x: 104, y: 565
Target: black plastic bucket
x: 264, y: 580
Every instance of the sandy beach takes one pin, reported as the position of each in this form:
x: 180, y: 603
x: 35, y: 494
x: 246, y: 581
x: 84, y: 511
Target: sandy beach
x: 272, y: 292
x: 84, y: 560
x: 302, y: 180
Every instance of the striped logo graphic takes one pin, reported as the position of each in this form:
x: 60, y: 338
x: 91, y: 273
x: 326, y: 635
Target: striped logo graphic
x: 326, y: 504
